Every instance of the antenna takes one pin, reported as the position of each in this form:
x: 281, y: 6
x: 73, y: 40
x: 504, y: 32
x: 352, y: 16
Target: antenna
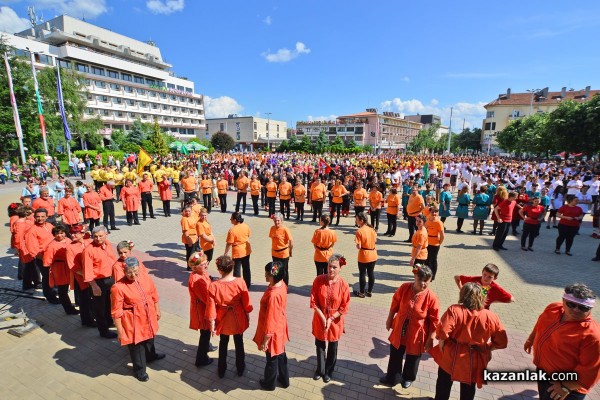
x: 32, y: 17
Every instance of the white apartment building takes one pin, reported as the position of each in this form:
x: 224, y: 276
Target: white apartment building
x: 249, y: 133
x: 127, y: 79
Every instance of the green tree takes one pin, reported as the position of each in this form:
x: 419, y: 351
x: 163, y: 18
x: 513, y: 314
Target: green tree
x: 425, y: 139
x: 566, y: 126
x: 294, y: 143
x: 283, y: 147
x: 468, y: 139
x: 338, y: 145
x: 118, y: 139
x: 592, y: 125
x: 305, y: 144
x: 322, y: 143
x: 158, y: 140
x: 222, y: 142
x: 508, y: 138
x: 139, y: 132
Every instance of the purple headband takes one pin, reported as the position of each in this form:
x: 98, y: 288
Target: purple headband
x: 584, y: 302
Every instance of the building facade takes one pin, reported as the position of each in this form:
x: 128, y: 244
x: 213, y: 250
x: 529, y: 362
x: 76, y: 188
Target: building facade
x: 429, y: 120
x: 127, y: 79
x: 249, y: 133
x: 511, y: 106
x: 383, y: 131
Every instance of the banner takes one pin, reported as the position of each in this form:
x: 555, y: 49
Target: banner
x: 142, y: 160
x: 13, y: 100
x: 323, y: 164
x: 61, y: 105
x: 39, y: 100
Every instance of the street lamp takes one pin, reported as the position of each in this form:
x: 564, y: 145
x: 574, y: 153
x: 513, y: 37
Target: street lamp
x: 533, y: 92
x: 268, y: 130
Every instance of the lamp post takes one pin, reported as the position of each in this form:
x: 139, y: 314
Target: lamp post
x: 268, y: 130
x: 533, y: 92
x: 450, y: 130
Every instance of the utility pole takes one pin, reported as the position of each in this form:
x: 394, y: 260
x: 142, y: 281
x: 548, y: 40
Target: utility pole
x: 450, y: 130
x: 268, y: 130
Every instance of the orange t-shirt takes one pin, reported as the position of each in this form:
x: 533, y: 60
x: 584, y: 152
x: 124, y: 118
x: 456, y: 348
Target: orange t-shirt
x: 338, y: 191
x: 255, y: 187
x: 242, y: 184
x: 415, y: 205
x: 205, y: 186
x: 433, y: 231
x: 375, y: 199
x: 360, y: 197
x: 188, y: 228
x: 188, y: 184
x: 222, y: 186
x: 393, y: 200
x: 238, y: 237
x: 280, y: 241
x: 323, y: 239
x: 420, y: 238
x: 48, y: 204
x: 271, y: 189
x: 299, y: 193
x: 366, y: 238
x: 145, y: 186
x: 317, y: 192
x: 285, y: 191
x: 204, y: 228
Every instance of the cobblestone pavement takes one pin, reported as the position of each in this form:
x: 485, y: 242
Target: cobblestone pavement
x: 64, y: 360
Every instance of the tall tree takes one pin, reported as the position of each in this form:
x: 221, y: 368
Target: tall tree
x: 222, y: 142
x: 158, y: 140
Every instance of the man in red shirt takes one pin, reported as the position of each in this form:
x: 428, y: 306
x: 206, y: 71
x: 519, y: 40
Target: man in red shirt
x: 37, y: 239
x: 504, y: 216
x: 46, y: 202
x: 494, y: 292
x: 97, y: 260
x: 108, y: 207
x: 145, y: 186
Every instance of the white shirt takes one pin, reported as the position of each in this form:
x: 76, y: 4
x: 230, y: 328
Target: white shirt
x: 574, y: 186
x: 583, y: 197
x: 594, y: 187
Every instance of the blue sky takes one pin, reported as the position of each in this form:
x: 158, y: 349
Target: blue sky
x: 303, y: 60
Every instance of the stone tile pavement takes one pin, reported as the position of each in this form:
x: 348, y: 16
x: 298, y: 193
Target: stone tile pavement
x: 64, y: 360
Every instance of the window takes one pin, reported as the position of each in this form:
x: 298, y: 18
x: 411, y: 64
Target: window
x: 98, y: 71
x: 490, y: 114
x: 112, y: 74
x: 144, y: 116
x: 117, y: 100
x: 100, y: 84
x: 238, y: 136
x: 516, y: 113
x: 119, y: 114
x: 174, y: 108
x: 126, y: 77
x: 106, y: 113
x: 154, y: 106
x: 255, y: 125
x: 43, y: 59
x: 278, y: 129
x: 173, y: 97
x: 89, y: 96
x: 64, y: 64
x: 490, y: 126
x: 138, y: 79
x: 141, y: 91
x: 163, y: 95
x: 88, y: 82
x: 131, y: 102
x: 90, y: 111
x: 189, y: 90
x: 128, y: 89
x: 103, y: 99
x: 182, y: 99
x: 350, y: 129
x: 164, y: 106
x: 115, y: 86
x: 144, y: 104
x: 222, y: 127
x: 132, y: 115
x: 150, y: 81
x: 170, y: 86
x: 151, y: 93
x: 82, y: 68
x: 184, y: 110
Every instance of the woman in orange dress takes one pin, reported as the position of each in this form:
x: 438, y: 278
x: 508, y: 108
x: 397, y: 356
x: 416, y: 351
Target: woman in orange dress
x: 420, y: 241
x: 272, y: 328
x: 228, y: 311
x: 198, y: 287
x: 413, y: 318
x: 281, y: 244
x: 166, y: 195
x: 238, y: 241
x: 365, y: 239
x: 330, y: 299
x: 69, y: 209
x: 131, y: 198
x: 467, y: 334
x: 135, y: 311
x: 55, y: 258
x: 323, y: 240
x: 205, y: 235
x: 92, y: 206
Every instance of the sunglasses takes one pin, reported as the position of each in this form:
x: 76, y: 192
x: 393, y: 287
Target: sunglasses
x: 579, y: 306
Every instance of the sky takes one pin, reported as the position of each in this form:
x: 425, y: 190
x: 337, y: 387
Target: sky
x: 315, y: 60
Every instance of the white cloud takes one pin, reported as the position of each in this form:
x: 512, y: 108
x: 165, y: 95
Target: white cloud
x: 10, y: 21
x: 268, y: 20
x: 74, y: 8
x: 331, y: 117
x: 472, y: 113
x: 165, y: 6
x: 286, y: 55
x: 220, y: 107
x: 405, y: 79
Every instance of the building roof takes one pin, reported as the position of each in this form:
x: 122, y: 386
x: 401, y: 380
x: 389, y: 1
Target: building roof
x: 524, y: 99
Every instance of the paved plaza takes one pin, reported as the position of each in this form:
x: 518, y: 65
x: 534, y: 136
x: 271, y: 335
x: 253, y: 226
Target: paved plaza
x: 63, y: 360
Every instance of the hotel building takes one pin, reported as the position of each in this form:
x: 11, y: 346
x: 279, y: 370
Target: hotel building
x: 249, y: 133
x: 126, y: 79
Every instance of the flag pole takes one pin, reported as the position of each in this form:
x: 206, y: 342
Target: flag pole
x: 39, y: 104
x: 61, y: 106
x: 16, y: 118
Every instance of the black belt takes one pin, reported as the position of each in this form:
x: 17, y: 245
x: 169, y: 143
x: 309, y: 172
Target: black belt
x: 432, y: 235
x: 323, y: 248
x: 146, y: 192
x: 285, y: 248
x: 363, y: 248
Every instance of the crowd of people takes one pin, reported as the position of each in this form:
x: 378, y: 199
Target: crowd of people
x: 57, y: 232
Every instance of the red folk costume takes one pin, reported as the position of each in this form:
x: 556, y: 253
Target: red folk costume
x: 134, y: 302
x: 74, y: 252
x: 48, y: 204
x: 272, y: 320
x: 131, y: 198
x: 92, y: 199
x: 97, y: 261
x: 22, y: 225
x: 329, y: 297
x: 55, y: 257
x: 229, y: 305
x: 11, y: 223
x: 106, y: 193
x: 37, y: 238
x: 421, y: 313
x: 560, y: 346
x: 70, y: 210
x: 118, y: 269
x: 198, y: 285
x: 493, y: 293
x: 466, y: 334
x: 164, y: 190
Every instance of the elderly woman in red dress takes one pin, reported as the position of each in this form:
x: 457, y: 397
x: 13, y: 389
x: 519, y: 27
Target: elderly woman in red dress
x: 69, y: 208
x: 198, y: 285
x: 228, y: 310
x: 329, y: 298
x: 135, y: 312
x: 131, y: 198
x: 413, y: 318
x: 272, y: 328
x: 467, y: 334
x: 55, y: 258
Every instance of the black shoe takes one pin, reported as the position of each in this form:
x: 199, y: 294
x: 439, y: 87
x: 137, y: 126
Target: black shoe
x: 530, y: 248
x: 136, y: 223
x: 406, y: 384
x: 385, y: 381
x: 240, y: 371
x: 264, y: 386
x: 459, y: 231
x: 595, y: 259
x: 53, y: 300
x: 503, y: 248
x: 129, y: 223
x: 143, y: 218
x: 317, y: 376
x: 407, y: 241
x: 557, y: 251
x: 153, y: 217
x: 492, y: 233
x: 358, y: 294
x: 369, y: 294
x: 205, y: 363
x: 143, y: 378
x: 284, y: 385
x: 157, y: 356
x: 496, y: 248
x: 74, y: 311
x: 568, y: 253
x: 212, y: 348
x: 326, y: 378
x: 524, y: 248
x: 91, y: 324
x: 221, y: 373
x: 116, y: 229
x: 109, y: 335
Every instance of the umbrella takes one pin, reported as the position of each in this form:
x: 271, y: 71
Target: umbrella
x: 176, y: 145
x: 194, y: 146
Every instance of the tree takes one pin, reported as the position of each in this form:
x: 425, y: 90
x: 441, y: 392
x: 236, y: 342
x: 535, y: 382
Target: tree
x: 425, y: 139
x: 139, y: 132
x: 158, y: 140
x: 294, y: 143
x: 468, y: 139
x: 566, y: 127
x: 338, y: 145
x: 322, y: 143
x: 508, y: 138
x: 592, y: 124
x: 222, y: 142
x: 118, y: 139
x: 305, y: 144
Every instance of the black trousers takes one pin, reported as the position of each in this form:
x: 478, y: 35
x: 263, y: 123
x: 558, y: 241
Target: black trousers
x: 432, y: 262
x: 321, y: 267
x: 300, y: 211
x: 101, y: 304
x: 31, y: 276
x: 240, y: 354
x: 223, y: 202
x: 255, y: 203
x: 132, y: 217
x: 118, y: 190
x: 84, y: 298
x: 529, y: 231
x: 392, y: 220
x: 326, y: 365
x: 167, y: 207
x: 336, y: 209
x: 49, y: 294
x: 203, y: 346
x: 187, y: 196
x: 177, y: 188
x: 412, y: 226
x: 276, y: 369
x: 284, y: 208
x: 141, y: 353
x: 189, y: 250
x: 243, y: 264
x: 209, y: 254
x: 207, y: 200
x: 285, y: 263
x: 566, y: 233
x: 108, y: 208
x: 358, y: 209
x: 411, y: 364
x: 515, y: 224
x: 263, y: 194
x: 443, y: 386
x: 241, y: 197
x: 65, y: 300
x: 375, y: 218
x: 271, y: 205
x: 94, y: 223
x: 501, y: 233
x: 317, y: 207
x: 598, y: 251
x: 147, y: 202
x: 365, y: 269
